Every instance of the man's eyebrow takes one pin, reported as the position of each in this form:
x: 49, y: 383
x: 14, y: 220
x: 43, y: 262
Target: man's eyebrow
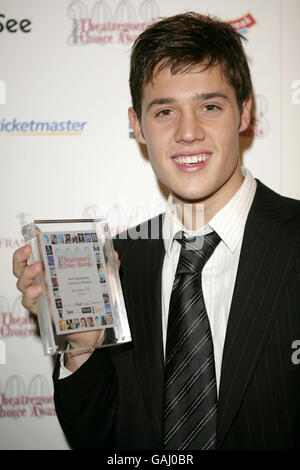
x: 160, y: 101
x: 211, y: 95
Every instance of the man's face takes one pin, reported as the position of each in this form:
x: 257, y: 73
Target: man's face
x: 190, y: 123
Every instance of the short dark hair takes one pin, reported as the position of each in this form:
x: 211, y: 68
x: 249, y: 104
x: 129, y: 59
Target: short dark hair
x: 183, y: 41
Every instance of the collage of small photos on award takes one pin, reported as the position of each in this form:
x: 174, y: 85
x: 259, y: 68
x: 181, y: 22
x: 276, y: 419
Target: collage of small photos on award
x: 79, y: 291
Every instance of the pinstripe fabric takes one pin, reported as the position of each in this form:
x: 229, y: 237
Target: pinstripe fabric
x: 115, y: 400
x: 190, y: 382
x: 259, y: 384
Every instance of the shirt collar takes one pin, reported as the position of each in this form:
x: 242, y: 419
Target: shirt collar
x: 229, y: 222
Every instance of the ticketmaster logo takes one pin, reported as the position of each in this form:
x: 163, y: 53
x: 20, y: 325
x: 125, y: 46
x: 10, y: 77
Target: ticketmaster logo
x: 16, y: 127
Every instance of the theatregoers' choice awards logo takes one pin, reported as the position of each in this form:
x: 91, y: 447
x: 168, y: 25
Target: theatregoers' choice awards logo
x: 103, y: 25
x: 259, y: 125
x: 74, y: 258
x: 17, y: 127
x: 18, y: 401
x: 15, y: 321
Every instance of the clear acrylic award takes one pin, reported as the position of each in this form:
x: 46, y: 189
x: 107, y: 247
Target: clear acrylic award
x: 81, y: 286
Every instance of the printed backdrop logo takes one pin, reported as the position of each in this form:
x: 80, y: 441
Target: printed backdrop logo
x: 259, y: 125
x: 12, y: 25
x: 15, y: 127
x: 15, y: 321
x: 14, y: 243
x: 103, y: 26
x: 37, y: 402
x: 243, y: 24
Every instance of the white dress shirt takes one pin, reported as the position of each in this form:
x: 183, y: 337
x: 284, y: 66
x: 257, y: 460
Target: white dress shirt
x: 219, y: 273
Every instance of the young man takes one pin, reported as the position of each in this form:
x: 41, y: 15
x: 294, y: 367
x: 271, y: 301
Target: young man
x: 191, y: 93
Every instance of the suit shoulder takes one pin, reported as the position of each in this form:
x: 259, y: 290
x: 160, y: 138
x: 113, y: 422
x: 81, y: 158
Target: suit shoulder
x: 269, y: 194
x: 277, y: 207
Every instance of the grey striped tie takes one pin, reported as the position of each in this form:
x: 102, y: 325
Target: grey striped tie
x: 190, y: 381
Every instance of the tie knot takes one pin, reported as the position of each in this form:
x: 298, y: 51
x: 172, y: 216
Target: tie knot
x: 196, y: 251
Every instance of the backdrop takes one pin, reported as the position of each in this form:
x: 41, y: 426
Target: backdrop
x: 67, y: 150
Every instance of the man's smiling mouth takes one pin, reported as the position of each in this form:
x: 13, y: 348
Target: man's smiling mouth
x: 191, y: 160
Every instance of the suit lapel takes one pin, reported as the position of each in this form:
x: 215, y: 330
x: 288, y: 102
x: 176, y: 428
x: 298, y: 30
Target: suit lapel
x: 263, y: 269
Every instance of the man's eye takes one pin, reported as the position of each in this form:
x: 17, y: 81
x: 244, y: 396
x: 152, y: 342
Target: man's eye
x: 211, y: 107
x: 164, y: 112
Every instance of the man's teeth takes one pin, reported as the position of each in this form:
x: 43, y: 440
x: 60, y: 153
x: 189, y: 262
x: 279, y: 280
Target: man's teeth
x: 191, y: 160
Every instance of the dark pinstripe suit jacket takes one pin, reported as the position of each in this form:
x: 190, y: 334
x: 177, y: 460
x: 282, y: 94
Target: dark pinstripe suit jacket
x: 115, y: 400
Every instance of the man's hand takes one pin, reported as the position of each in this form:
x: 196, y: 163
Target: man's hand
x: 26, y: 275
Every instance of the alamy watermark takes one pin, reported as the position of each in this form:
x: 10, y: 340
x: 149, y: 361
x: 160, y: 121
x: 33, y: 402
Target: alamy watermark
x: 296, y: 354
x: 126, y: 220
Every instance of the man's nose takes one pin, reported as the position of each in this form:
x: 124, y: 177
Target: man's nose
x: 189, y: 129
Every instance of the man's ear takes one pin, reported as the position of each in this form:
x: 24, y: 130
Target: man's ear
x: 245, y: 114
x: 136, y: 126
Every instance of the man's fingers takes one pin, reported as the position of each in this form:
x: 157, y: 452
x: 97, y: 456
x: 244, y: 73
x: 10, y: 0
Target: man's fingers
x: 20, y: 259
x: 28, y: 275
x: 117, y: 259
x: 30, y: 296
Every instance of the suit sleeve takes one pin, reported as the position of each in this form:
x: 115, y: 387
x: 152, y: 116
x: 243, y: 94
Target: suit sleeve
x: 86, y: 402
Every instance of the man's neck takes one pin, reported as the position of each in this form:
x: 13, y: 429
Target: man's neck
x: 193, y: 215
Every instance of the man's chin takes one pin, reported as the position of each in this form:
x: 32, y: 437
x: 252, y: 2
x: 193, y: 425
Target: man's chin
x: 189, y: 198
